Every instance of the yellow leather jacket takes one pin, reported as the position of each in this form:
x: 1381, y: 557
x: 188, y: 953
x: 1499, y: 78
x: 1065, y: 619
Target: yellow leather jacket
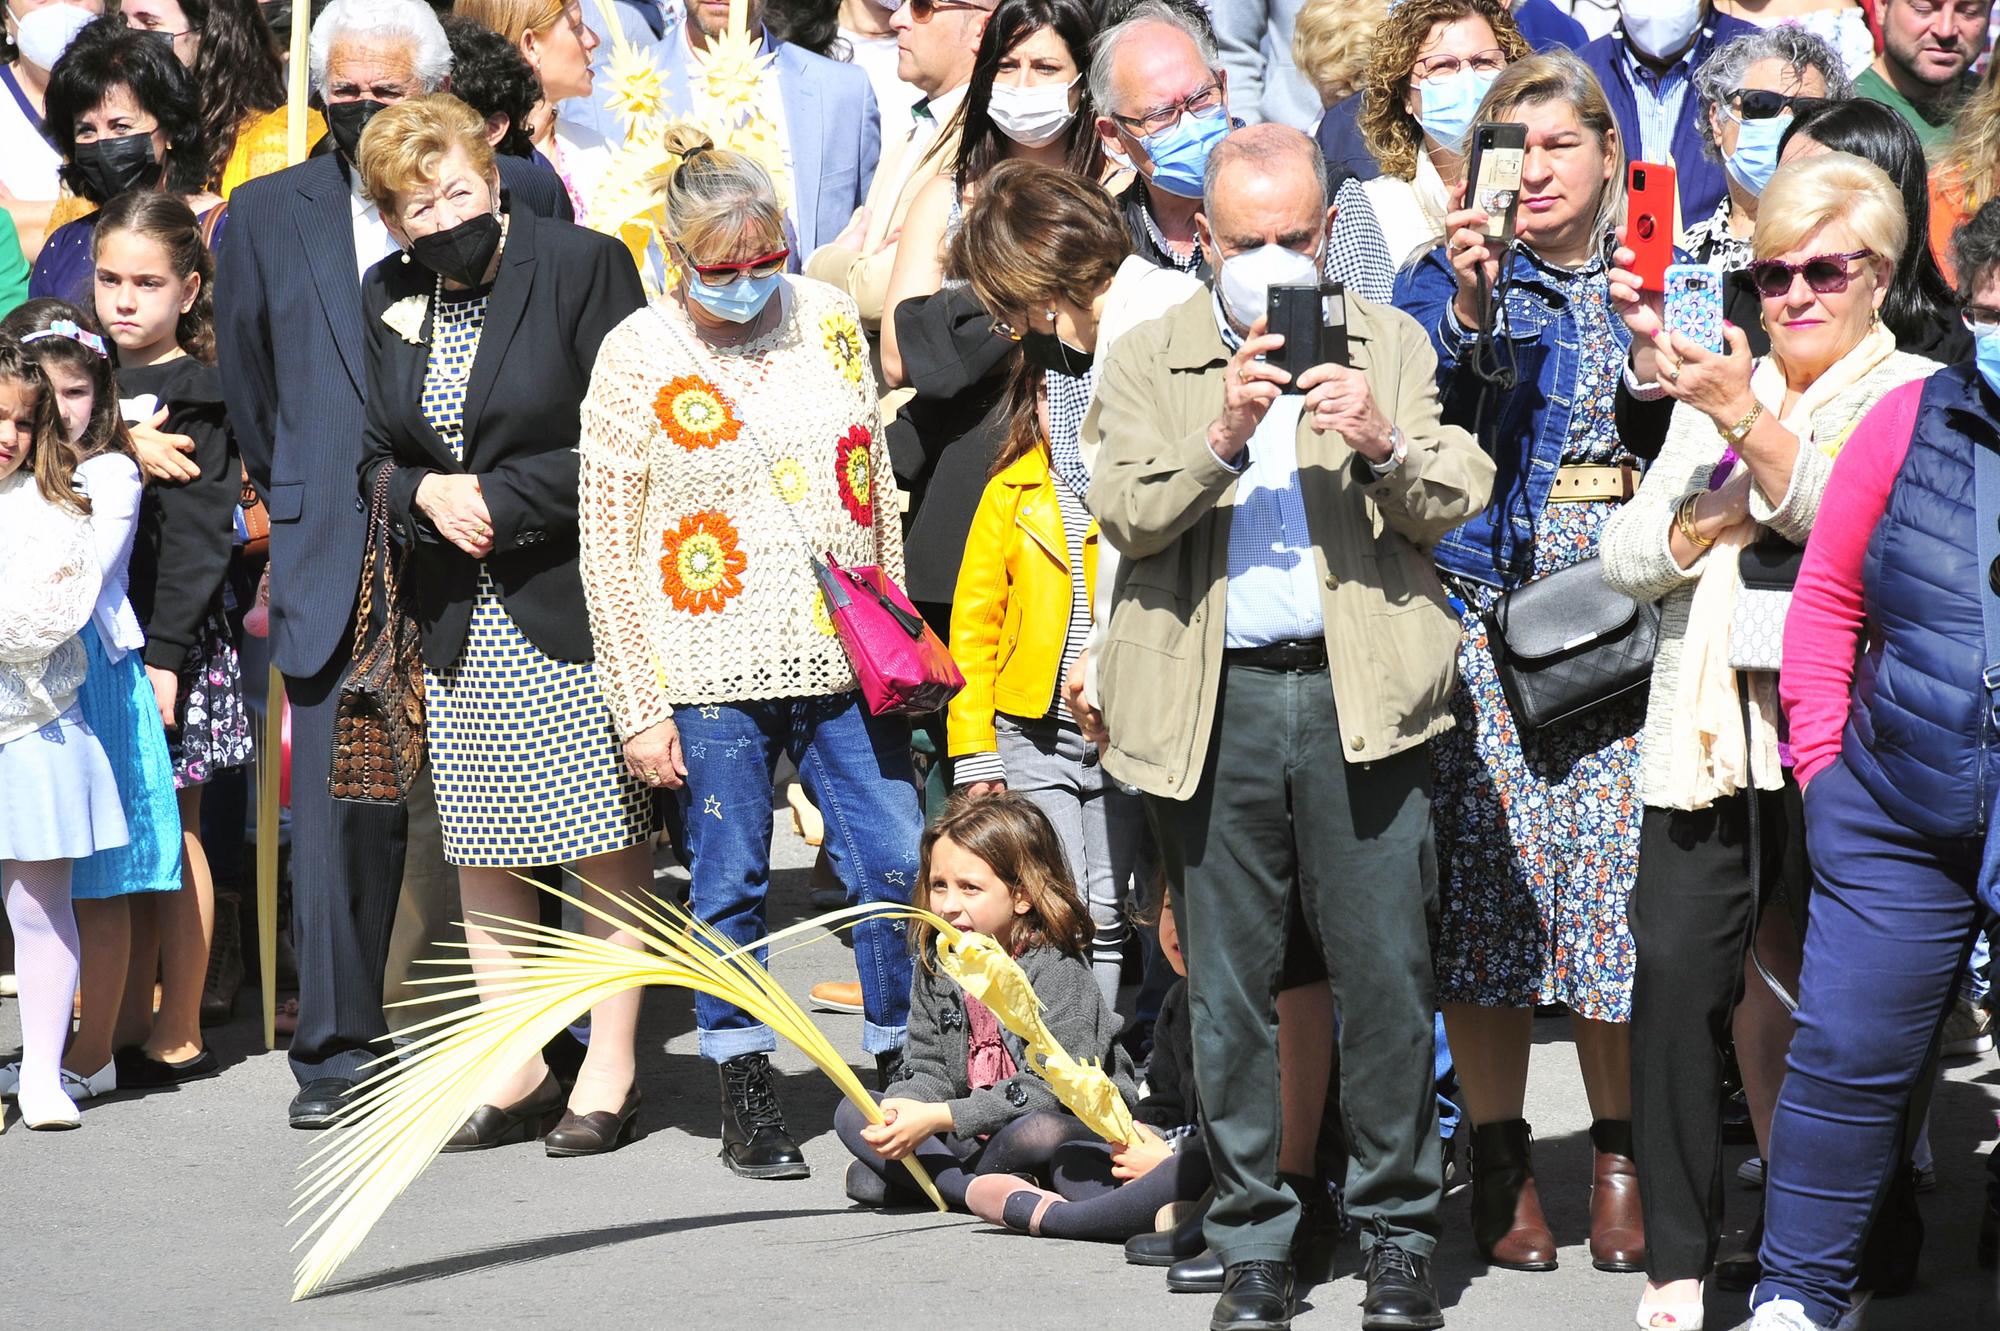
x: 1010, y: 613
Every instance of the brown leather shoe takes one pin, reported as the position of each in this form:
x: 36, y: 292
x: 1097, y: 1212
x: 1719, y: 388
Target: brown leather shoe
x: 836, y: 996
x: 1507, y: 1223
x: 500, y: 1125
x: 1617, y: 1225
x: 594, y: 1133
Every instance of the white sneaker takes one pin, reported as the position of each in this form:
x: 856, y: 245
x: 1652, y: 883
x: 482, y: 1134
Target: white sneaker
x: 1783, y: 1315
x: 1968, y: 1031
x: 1751, y: 1171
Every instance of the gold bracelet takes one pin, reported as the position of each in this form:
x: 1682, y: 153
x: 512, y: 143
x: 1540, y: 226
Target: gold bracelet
x: 1684, y: 519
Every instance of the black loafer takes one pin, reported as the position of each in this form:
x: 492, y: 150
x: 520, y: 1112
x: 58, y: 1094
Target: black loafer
x: 1256, y: 1296
x: 138, y: 1070
x: 1400, y: 1295
x: 1199, y: 1274
x: 595, y: 1133
x: 1171, y: 1245
x: 313, y: 1108
x: 523, y: 1121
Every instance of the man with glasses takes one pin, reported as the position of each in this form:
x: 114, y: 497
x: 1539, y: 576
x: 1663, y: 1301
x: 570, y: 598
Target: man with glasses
x: 824, y: 111
x: 1647, y: 65
x: 936, y: 41
x: 1925, y: 68
x: 1279, y: 651
x: 1162, y: 105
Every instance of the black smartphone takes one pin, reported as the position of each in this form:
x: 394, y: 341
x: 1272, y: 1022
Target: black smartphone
x: 1494, y: 170
x: 1312, y: 318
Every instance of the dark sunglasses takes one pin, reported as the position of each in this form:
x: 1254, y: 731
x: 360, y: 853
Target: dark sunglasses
x: 1763, y: 104
x: 722, y: 274
x: 921, y: 10
x: 1825, y: 273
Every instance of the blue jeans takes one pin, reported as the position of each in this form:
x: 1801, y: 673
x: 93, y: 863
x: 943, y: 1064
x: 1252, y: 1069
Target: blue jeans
x: 856, y: 768
x: 1892, y: 919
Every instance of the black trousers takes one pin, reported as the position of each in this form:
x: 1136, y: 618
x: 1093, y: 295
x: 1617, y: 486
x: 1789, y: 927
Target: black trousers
x: 1692, y: 912
x: 1283, y: 828
x: 347, y: 873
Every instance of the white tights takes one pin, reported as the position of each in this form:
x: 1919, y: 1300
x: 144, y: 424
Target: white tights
x: 45, y: 962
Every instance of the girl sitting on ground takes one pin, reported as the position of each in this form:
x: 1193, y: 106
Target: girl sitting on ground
x: 966, y: 1102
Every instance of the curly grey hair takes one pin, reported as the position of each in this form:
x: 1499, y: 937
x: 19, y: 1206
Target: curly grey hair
x: 1722, y: 73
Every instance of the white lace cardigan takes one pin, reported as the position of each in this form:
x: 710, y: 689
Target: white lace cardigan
x: 705, y: 478
x: 48, y: 588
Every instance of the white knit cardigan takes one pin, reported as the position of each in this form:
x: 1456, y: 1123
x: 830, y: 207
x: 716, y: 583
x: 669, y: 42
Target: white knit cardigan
x: 48, y: 587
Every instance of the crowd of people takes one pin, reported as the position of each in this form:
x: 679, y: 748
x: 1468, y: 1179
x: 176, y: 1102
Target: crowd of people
x: 1542, y: 641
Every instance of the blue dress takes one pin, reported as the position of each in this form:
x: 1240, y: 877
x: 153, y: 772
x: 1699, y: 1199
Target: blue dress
x: 117, y: 702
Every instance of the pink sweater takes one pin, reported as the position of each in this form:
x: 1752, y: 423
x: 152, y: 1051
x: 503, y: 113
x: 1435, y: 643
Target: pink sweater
x: 1823, y: 631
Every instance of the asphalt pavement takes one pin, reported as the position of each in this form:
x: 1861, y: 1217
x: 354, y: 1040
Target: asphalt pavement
x: 168, y: 1210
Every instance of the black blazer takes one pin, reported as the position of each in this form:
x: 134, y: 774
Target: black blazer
x: 559, y: 290
x: 289, y: 344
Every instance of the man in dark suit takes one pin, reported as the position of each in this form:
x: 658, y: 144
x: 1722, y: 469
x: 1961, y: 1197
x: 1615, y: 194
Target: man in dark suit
x: 290, y: 341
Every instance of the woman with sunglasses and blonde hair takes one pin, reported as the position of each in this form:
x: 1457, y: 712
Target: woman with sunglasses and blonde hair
x: 731, y: 436
x: 553, y: 38
x: 1749, y: 448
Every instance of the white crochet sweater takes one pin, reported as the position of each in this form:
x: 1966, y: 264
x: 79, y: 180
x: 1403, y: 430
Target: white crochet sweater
x: 704, y: 476
x: 46, y: 596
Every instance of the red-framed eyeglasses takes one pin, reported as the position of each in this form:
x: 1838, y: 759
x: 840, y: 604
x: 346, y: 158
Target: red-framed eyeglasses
x: 722, y: 274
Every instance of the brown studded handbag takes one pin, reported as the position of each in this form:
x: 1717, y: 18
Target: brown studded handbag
x: 378, y: 717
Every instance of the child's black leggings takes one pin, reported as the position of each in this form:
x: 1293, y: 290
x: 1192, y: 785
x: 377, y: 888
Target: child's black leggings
x: 1099, y: 1207
x: 1026, y: 1146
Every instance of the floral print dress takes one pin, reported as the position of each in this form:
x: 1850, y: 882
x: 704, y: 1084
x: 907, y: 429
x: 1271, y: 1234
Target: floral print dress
x: 1538, y: 832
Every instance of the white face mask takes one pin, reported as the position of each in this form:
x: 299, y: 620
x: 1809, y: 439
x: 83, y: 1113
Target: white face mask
x: 1032, y: 116
x: 44, y: 34
x: 1246, y: 278
x: 1659, y: 28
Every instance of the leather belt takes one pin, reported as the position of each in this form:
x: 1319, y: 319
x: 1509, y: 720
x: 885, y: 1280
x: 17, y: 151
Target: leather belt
x: 1584, y: 484
x: 1294, y: 655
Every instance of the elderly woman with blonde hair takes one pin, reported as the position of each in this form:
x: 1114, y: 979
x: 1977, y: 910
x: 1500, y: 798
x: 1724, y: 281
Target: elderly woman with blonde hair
x: 1732, y: 496
x: 731, y: 436
x: 478, y: 355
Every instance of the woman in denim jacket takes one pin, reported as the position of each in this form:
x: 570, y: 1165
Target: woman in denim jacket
x: 1537, y: 832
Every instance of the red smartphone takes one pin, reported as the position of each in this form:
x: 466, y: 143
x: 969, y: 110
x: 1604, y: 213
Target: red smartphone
x: 1649, y: 222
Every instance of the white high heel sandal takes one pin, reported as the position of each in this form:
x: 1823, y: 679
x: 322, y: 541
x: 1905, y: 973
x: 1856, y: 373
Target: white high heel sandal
x: 1682, y: 1315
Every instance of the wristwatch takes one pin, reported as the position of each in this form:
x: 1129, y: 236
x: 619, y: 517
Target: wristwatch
x: 1737, y: 433
x: 1399, y: 448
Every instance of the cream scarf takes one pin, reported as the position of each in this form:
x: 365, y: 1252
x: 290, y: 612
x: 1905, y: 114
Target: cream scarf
x: 1713, y: 756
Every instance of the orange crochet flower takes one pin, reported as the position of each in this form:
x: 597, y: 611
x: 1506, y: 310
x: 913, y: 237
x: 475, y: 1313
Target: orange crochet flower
x: 695, y: 414
x: 702, y: 568
x: 855, y: 470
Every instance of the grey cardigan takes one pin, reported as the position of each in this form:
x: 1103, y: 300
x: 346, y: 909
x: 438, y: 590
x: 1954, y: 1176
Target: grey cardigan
x: 934, y: 1059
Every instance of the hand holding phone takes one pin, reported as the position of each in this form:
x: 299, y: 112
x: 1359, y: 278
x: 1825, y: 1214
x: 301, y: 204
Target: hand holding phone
x: 1312, y: 318
x: 1649, y: 222
x: 1694, y: 304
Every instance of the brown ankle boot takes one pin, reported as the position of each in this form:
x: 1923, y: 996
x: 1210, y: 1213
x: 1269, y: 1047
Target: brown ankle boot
x: 1617, y: 1225
x: 1507, y: 1223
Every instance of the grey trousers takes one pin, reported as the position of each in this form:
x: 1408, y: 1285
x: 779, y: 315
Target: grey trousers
x: 1100, y: 825
x: 1278, y: 804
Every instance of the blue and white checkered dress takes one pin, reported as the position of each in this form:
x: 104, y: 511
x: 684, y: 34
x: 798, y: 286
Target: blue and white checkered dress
x: 527, y: 762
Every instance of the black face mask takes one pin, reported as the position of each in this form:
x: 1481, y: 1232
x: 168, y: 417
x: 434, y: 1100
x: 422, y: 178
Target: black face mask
x: 346, y: 120
x: 460, y: 254
x: 1046, y: 351
x: 110, y: 167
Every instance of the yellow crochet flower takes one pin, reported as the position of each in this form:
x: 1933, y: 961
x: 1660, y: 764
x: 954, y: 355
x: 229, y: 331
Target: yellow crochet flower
x: 842, y: 338
x: 822, y: 617
x: 790, y: 479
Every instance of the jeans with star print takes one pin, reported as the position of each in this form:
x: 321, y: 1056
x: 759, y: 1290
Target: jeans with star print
x: 856, y: 768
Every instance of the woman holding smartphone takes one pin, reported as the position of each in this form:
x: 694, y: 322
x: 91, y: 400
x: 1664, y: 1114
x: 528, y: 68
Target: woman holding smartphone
x: 1748, y: 450
x: 1537, y: 831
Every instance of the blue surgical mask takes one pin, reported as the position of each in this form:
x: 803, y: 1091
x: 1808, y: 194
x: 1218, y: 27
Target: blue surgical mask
x: 740, y: 301
x: 1986, y: 355
x: 1448, y: 104
x: 1180, y: 152
x: 1756, y: 155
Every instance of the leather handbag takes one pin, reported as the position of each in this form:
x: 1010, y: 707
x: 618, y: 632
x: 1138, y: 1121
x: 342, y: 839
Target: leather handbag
x: 378, y: 717
x: 253, y: 519
x: 899, y: 660
x: 1568, y: 643
x: 1766, y: 572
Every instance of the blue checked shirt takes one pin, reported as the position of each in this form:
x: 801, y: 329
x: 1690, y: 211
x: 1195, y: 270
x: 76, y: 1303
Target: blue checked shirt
x: 1659, y: 98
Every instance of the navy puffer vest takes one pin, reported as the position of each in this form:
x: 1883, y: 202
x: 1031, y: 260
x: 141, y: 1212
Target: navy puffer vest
x: 1918, y: 734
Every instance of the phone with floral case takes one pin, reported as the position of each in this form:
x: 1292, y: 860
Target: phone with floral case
x: 1694, y: 303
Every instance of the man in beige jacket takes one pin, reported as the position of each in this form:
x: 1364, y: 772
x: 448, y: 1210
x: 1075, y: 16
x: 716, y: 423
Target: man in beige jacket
x: 1279, y: 651
x: 934, y: 54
